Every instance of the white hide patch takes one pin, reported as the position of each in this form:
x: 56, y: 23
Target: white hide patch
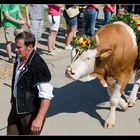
x: 87, y: 78
x: 111, y: 81
x: 90, y: 53
x: 116, y: 94
x: 130, y: 30
x: 83, y: 66
x: 117, y: 89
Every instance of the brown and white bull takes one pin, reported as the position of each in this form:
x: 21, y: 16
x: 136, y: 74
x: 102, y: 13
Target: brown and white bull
x: 111, y: 61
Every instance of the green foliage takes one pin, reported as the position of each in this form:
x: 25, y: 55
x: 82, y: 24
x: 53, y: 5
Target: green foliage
x: 129, y: 18
x: 126, y: 18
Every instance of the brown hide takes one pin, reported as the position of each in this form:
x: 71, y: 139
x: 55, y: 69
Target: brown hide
x: 122, y: 54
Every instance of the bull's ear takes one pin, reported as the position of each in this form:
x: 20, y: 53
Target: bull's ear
x: 105, y: 53
x: 96, y: 39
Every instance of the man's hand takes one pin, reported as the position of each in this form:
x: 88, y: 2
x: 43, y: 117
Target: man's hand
x: 36, y: 124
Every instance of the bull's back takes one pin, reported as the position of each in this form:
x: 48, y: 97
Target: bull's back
x: 121, y: 38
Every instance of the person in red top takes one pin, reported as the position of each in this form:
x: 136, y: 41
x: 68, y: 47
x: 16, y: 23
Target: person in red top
x: 92, y: 12
x: 54, y: 23
x: 108, y: 10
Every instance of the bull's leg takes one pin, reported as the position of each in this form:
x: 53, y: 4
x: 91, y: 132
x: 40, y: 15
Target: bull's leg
x: 115, y: 98
x: 100, y: 78
x: 122, y: 103
x: 110, y: 90
x: 133, y: 95
x: 114, y: 101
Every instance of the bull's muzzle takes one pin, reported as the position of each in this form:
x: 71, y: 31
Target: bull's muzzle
x: 69, y: 72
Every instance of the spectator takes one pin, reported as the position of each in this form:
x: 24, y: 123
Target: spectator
x: 136, y: 8
x: 128, y: 7
x: 82, y: 19
x: 12, y: 24
x: 31, y: 90
x: 92, y: 12
x: 54, y: 23
x: 108, y: 10
x: 35, y: 15
x: 71, y: 24
x: 0, y: 17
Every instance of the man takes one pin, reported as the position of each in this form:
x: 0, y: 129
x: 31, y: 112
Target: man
x: 31, y: 90
x: 12, y: 23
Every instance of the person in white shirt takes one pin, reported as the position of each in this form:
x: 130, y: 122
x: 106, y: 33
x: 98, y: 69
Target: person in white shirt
x: 31, y: 89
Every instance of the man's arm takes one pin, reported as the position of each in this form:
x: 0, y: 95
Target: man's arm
x: 97, y: 7
x: 109, y: 6
x: 6, y: 15
x: 27, y: 15
x: 38, y: 121
x: 45, y: 93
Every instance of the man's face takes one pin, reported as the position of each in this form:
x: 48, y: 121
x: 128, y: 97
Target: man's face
x: 21, y: 50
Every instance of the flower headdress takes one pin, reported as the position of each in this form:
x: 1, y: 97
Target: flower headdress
x: 83, y: 42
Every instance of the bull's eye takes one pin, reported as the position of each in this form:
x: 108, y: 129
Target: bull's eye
x: 88, y: 58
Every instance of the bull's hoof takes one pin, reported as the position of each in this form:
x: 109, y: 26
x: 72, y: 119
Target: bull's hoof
x: 131, y: 104
x: 108, y: 125
x: 105, y: 85
x: 124, y: 107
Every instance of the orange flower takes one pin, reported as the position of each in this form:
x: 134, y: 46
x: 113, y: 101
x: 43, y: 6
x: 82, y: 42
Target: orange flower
x: 83, y: 42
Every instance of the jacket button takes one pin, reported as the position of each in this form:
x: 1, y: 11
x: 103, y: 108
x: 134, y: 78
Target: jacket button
x: 21, y: 86
x: 23, y: 104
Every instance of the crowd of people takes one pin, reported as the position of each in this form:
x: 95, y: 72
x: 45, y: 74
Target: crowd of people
x: 31, y: 89
x: 83, y: 23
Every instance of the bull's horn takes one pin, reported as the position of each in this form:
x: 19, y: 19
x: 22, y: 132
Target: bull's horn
x: 97, y: 39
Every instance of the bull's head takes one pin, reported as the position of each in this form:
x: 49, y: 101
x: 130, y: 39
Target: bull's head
x: 83, y: 62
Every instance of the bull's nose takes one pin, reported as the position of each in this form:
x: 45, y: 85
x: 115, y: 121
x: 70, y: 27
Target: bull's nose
x: 67, y: 74
x: 69, y: 70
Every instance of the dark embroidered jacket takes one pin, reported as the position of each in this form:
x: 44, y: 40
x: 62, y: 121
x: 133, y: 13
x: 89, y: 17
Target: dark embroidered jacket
x: 34, y: 71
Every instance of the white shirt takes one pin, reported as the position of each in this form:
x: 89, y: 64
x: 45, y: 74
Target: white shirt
x: 45, y: 89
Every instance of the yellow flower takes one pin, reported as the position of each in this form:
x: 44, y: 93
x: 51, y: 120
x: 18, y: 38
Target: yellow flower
x: 81, y: 40
x: 136, y: 19
x: 84, y: 44
x: 138, y: 28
